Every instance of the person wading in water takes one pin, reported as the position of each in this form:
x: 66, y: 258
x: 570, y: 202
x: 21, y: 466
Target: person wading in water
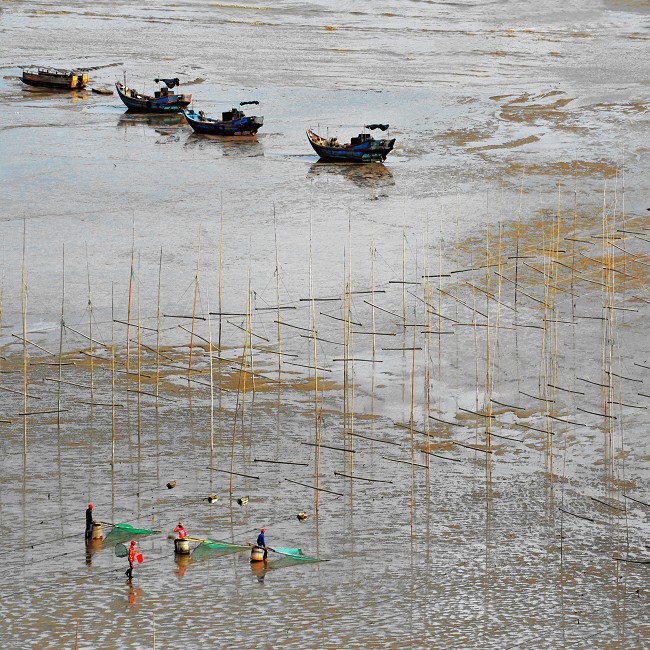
x: 129, y: 571
x: 261, y: 543
x: 180, y: 529
x: 89, y: 521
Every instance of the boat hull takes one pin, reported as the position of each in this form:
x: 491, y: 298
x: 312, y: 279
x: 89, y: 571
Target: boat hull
x: 54, y: 79
x: 368, y: 151
x: 245, y: 126
x: 165, y: 103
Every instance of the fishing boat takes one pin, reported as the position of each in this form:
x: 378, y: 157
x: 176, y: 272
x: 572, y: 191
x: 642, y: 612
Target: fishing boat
x: 361, y: 149
x: 232, y: 122
x: 55, y: 78
x: 164, y: 100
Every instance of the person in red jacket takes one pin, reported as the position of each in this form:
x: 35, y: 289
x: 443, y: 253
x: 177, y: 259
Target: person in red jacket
x: 129, y: 571
x: 89, y: 521
x: 180, y: 529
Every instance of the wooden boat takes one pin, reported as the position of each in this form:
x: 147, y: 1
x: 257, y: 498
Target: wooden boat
x: 162, y: 101
x: 232, y: 122
x: 362, y: 149
x: 55, y: 78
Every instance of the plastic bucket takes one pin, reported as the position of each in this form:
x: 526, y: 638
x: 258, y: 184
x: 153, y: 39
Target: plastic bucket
x: 257, y: 554
x: 97, y: 530
x: 181, y: 546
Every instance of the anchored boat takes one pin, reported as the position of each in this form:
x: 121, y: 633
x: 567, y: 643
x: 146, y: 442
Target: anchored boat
x: 232, y: 122
x: 164, y: 100
x: 55, y: 78
x: 361, y: 149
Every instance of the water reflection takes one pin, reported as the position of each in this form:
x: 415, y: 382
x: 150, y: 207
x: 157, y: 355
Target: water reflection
x: 150, y: 119
x: 182, y: 562
x: 92, y: 546
x: 46, y: 92
x: 135, y: 594
x: 373, y: 176
x: 239, y: 146
x: 259, y: 570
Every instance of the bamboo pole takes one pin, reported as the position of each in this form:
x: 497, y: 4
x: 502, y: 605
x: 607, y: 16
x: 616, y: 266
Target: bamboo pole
x: 373, y: 254
x: 158, y: 329
x: 112, y: 380
x: 210, y: 361
x: 90, y: 326
x: 61, y: 327
x: 277, y: 295
x: 128, y: 304
x: 23, y: 294
x: 196, y: 292
x: 220, y: 280
x: 139, y: 359
x: 317, y: 432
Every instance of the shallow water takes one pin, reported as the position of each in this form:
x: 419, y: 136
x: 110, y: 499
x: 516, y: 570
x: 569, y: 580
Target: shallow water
x: 505, y: 117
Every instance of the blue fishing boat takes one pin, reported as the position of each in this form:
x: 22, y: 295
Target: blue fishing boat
x: 361, y: 149
x: 232, y: 122
x: 164, y: 100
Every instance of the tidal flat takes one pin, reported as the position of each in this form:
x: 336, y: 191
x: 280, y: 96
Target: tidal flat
x: 441, y: 360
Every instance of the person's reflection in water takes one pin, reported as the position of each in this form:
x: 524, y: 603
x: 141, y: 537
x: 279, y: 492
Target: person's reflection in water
x: 135, y: 594
x: 183, y: 561
x: 92, y: 546
x: 259, y: 569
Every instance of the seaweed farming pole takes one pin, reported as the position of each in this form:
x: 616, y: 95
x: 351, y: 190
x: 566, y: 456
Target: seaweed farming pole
x: 211, y: 362
x: 314, y: 339
x: 90, y: 333
x: 196, y: 291
x: 277, y: 297
x: 219, y: 298
x: 348, y: 326
x: 245, y: 356
x: 139, y: 357
x: 128, y: 308
x: 518, y: 233
x: 404, y: 277
x: 487, y: 406
x: 609, y: 290
x: 411, y: 421
x: 23, y: 299
x: 220, y: 280
x: 61, y: 326
x: 372, y: 288
x: 112, y: 379
x: 158, y: 330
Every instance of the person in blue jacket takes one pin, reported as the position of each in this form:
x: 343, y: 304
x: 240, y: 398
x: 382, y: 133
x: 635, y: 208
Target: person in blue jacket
x: 261, y: 542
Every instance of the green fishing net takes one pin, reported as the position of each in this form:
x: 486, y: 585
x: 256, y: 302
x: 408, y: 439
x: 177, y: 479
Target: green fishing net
x: 210, y: 548
x: 292, y: 560
x: 123, y: 533
x: 287, y: 551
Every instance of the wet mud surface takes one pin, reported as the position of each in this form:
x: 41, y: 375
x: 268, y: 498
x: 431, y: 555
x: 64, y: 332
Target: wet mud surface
x: 452, y: 347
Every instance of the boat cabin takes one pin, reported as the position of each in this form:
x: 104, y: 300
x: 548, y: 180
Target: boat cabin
x: 362, y: 137
x: 232, y: 114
